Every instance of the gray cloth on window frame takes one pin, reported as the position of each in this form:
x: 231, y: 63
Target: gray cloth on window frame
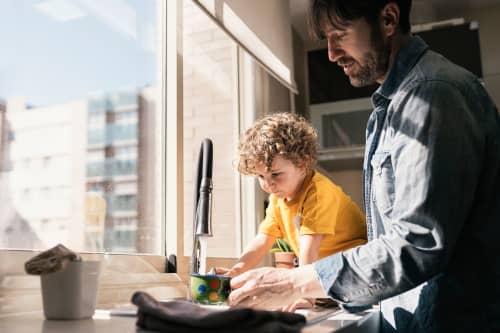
x: 51, y: 260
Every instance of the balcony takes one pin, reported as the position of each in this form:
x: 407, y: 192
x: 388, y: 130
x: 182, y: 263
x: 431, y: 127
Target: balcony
x: 112, y: 134
x: 112, y: 168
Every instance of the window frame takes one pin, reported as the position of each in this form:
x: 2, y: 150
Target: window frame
x: 174, y: 204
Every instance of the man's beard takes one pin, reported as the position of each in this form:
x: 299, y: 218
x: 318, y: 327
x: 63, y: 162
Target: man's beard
x: 376, y: 61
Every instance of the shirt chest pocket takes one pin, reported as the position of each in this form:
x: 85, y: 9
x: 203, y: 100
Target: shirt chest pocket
x: 383, y: 182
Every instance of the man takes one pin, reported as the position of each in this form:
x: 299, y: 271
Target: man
x: 432, y: 185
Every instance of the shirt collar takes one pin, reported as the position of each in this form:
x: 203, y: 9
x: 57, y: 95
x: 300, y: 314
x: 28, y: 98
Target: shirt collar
x: 407, y: 57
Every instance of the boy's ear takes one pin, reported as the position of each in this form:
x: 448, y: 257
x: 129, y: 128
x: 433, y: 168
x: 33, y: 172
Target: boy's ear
x: 390, y: 19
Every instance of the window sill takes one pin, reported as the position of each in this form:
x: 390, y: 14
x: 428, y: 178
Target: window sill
x: 121, y: 276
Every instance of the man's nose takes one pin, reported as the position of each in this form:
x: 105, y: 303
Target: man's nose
x: 334, y: 51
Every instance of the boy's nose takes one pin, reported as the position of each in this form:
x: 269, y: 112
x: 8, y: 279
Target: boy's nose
x: 270, y: 184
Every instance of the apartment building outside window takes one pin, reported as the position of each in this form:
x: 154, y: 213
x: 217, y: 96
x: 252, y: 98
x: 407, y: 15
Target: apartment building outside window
x: 87, y: 85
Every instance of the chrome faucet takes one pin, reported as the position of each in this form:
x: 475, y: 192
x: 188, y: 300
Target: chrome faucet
x: 202, y: 215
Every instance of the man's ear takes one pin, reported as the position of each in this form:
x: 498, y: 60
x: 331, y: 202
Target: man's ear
x: 389, y: 17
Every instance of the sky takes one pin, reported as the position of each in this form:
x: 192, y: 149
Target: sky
x: 54, y: 51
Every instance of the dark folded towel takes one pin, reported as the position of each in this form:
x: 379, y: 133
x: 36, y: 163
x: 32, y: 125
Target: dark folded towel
x: 184, y: 317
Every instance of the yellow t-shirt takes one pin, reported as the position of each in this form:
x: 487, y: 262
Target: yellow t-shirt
x: 320, y: 207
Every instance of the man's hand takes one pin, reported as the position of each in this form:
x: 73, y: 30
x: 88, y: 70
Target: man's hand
x: 303, y: 303
x: 274, y: 288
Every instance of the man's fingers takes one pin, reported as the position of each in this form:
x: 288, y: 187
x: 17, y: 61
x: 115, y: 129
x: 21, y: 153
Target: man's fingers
x: 255, y: 301
x: 237, y: 296
x: 238, y: 281
x: 247, y: 295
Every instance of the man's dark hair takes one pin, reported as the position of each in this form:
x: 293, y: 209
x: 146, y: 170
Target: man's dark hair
x: 350, y: 10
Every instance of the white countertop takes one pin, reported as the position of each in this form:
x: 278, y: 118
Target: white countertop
x: 102, y: 322
x: 35, y: 322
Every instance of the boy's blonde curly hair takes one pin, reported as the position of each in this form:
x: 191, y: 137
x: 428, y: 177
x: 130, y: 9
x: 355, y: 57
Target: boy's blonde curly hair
x: 285, y: 134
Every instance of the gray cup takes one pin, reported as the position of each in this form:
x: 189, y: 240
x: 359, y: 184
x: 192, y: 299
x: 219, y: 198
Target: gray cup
x: 72, y: 292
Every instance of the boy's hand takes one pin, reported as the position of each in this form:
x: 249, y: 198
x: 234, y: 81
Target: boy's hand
x: 221, y: 270
x: 232, y: 272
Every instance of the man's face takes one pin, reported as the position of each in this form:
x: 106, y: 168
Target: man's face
x: 359, y: 49
x: 283, y: 180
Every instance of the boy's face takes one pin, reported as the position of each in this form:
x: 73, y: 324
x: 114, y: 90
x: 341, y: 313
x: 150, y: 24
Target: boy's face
x: 283, y: 180
x: 359, y: 49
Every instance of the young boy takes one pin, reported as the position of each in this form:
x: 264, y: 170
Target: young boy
x: 305, y: 208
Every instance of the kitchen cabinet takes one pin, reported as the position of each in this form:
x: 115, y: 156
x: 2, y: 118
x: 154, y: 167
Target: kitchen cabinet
x: 341, y: 130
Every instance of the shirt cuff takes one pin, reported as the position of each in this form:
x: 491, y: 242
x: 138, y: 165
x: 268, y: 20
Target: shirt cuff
x: 328, y: 269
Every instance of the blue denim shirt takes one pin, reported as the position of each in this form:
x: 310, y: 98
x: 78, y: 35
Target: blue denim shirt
x: 432, y: 199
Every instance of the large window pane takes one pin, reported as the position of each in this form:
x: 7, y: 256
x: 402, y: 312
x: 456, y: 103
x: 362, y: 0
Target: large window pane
x: 80, y: 124
x: 210, y: 111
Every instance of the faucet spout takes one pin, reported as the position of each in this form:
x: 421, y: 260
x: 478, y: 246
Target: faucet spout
x: 204, y: 209
x: 202, y: 219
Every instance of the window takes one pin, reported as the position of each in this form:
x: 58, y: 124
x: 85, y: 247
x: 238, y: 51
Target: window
x: 224, y: 89
x: 80, y: 88
x: 210, y: 110
x: 86, y: 112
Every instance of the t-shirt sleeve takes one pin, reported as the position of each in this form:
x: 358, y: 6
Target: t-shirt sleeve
x: 270, y: 225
